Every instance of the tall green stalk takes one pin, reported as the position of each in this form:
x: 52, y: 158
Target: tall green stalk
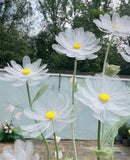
x: 106, y: 55
x: 113, y: 138
x: 43, y: 137
x: 99, y: 131
x: 72, y: 124
x: 29, y: 96
x: 101, y: 143
x: 104, y: 67
x: 56, y: 146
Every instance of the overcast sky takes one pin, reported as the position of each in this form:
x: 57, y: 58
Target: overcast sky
x: 37, y: 17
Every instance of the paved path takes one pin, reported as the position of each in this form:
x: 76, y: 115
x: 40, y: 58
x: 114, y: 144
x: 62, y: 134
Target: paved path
x: 84, y: 148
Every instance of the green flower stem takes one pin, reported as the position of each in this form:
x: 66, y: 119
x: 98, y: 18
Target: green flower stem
x: 99, y: 131
x: 43, y: 137
x: 103, y: 125
x: 68, y: 153
x: 73, y: 138
x: 104, y: 67
x: 29, y: 96
x: 72, y: 125
x: 74, y: 74
x: 106, y: 55
x: 56, y: 146
x: 112, y: 157
x: 113, y: 139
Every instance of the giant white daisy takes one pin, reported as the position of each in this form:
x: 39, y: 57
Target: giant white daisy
x: 52, y: 112
x: 119, y: 26
x: 126, y: 54
x: 22, y: 151
x: 31, y: 72
x: 77, y: 44
x: 107, y: 97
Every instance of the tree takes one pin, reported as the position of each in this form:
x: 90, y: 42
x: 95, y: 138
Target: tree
x: 55, y: 15
x: 14, y: 41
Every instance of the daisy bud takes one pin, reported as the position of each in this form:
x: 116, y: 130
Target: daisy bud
x: 6, y: 131
x: 11, y: 127
x: 60, y: 154
x: 3, y: 125
x: 10, y: 131
x: 58, y: 139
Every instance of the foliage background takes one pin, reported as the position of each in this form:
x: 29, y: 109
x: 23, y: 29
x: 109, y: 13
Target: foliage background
x: 15, y: 40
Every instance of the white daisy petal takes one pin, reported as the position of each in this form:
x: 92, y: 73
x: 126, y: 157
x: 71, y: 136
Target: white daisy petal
x: 33, y: 115
x: 36, y: 64
x: 53, y: 113
x: 74, y: 42
x: 26, y: 61
x: 22, y: 151
x: 34, y: 127
x: 116, y: 25
x: 36, y: 157
x: 107, y: 97
x: 91, y: 56
x: 18, y: 83
x: 16, y: 66
x: 126, y: 55
x: 31, y: 72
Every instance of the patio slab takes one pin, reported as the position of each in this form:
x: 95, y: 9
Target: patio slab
x: 84, y: 149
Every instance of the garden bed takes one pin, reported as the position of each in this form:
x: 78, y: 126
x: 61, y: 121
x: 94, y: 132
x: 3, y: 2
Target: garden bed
x: 84, y: 149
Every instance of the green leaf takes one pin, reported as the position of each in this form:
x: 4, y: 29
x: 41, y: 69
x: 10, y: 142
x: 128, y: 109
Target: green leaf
x: 104, y: 153
x: 111, y: 70
x: 17, y: 128
x: 1, y: 136
x: 112, y: 130
x: 18, y: 136
x: 40, y: 92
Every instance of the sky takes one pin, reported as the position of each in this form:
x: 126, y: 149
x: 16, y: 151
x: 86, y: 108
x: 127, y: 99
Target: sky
x: 37, y: 17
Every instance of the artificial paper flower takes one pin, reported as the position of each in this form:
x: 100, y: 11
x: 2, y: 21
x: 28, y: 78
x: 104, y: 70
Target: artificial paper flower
x: 77, y: 44
x: 126, y: 55
x: 18, y: 115
x: 58, y: 139
x: 10, y: 108
x: 60, y: 154
x: 53, y: 113
x: 22, y: 151
x: 29, y: 72
x: 107, y: 97
x: 119, y: 26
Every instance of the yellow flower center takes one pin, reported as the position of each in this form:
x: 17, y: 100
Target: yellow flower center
x: 104, y: 97
x: 116, y: 26
x: 26, y: 71
x: 129, y: 131
x: 51, y: 115
x: 77, y: 45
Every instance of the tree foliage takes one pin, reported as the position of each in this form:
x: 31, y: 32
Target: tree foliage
x: 57, y: 16
x: 14, y: 41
